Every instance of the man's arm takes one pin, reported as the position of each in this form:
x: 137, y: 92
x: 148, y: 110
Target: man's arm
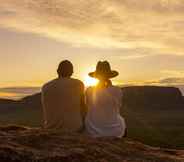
x: 44, y: 121
x: 83, y: 109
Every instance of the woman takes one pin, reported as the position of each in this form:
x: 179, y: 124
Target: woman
x: 104, y: 102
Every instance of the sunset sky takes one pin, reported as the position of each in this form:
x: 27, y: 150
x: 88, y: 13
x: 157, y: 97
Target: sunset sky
x: 142, y: 39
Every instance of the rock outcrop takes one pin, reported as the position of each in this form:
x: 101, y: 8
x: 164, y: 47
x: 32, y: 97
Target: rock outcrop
x: 162, y: 97
x: 19, y: 144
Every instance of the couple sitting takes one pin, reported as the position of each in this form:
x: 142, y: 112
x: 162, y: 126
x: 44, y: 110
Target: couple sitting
x: 68, y: 107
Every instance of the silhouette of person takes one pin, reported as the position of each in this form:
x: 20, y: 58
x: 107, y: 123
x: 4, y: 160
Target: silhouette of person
x: 63, y: 100
x: 104, y: 102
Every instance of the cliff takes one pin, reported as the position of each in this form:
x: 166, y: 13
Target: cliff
x: 162, y: 97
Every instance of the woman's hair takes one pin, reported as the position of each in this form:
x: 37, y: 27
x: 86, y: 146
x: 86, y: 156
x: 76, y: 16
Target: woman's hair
x: 105, y: 83
x: 108, y: 82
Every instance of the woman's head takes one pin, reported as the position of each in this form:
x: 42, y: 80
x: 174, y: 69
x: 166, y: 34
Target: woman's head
x: 103, y: 71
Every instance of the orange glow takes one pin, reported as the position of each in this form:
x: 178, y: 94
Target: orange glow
x: 6, y: 94
x: 88, y: 81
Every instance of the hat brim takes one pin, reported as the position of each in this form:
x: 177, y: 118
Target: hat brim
x: 111, y: 74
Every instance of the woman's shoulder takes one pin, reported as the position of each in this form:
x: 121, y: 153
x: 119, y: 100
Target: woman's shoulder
x: 90, y: 89
x: 116, y: 89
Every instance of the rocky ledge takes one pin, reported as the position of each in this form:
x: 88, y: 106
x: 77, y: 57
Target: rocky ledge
x: 20, y: 144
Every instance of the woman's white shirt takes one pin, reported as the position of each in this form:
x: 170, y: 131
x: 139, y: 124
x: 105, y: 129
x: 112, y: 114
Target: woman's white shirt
x: 103, y: 117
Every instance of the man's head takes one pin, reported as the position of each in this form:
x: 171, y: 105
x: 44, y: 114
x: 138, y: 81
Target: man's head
x: 65, y: 69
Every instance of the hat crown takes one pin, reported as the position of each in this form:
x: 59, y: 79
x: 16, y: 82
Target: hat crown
x: 103, y: 67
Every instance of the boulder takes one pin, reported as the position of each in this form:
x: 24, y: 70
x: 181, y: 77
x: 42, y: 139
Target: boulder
x: 36, y: 145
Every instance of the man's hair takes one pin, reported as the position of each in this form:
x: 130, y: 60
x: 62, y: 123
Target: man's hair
x: 65, y: 69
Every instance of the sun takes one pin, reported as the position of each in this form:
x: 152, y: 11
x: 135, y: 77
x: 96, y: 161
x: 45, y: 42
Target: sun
x: 88, y: 81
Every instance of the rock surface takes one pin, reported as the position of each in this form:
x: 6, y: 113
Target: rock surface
x: 19, y: 144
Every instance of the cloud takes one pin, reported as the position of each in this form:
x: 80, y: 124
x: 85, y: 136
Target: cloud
x: 21, y: 90
x: 115, y: 24
x: 172, y: 81
x: 170, y: 77
x: 18, y: 92
x: 173, y: 73
x: 7, y: 13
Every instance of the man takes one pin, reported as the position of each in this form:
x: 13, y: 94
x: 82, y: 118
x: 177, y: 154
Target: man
x: 63, y: 100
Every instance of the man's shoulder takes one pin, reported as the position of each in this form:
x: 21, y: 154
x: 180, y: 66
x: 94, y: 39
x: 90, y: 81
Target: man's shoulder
x: 71, y: 81
x: 77, y: 81
x: 49, y: 84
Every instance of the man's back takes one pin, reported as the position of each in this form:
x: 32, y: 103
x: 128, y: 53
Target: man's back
x: 62, y: 104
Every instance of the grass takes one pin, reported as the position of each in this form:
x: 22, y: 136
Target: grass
x: 26, y: 117
x: 162, y: 128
